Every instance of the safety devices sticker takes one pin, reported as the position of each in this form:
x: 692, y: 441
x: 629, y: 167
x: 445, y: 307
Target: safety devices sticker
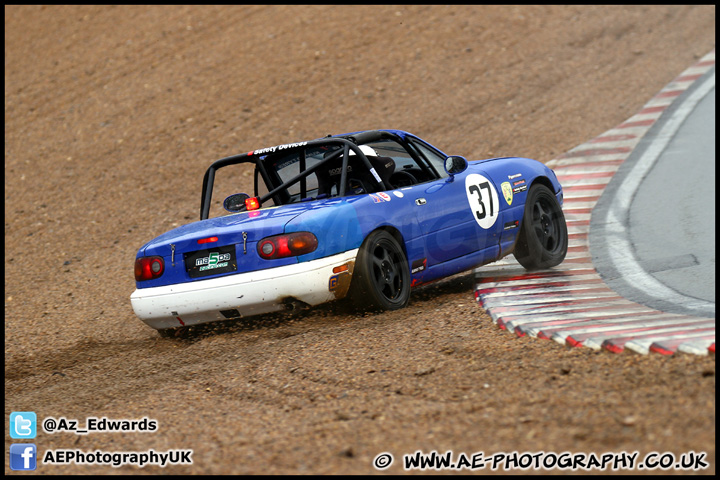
x: 483, y: 199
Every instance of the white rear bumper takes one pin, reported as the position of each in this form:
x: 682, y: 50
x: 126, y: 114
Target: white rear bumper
x: 252, y: 293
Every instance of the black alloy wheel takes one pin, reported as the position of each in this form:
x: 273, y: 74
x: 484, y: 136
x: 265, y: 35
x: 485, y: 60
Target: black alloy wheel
x: 381, y: 280
x: 543, y: 238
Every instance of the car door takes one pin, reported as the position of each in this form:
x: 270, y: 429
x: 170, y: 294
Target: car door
x: 458, y: 216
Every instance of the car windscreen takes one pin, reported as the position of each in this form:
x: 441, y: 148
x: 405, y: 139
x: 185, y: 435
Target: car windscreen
x: 404, y: 161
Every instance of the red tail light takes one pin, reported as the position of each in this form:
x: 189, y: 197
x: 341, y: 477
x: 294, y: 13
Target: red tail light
x: 147, y: 268
x: 287, y: 245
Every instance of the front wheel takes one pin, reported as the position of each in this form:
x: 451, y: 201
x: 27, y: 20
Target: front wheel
x: 543, y: 238
x: 381, y: 280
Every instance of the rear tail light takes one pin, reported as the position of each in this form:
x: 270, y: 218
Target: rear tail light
x: 147, y: 268
x: 287, y: 245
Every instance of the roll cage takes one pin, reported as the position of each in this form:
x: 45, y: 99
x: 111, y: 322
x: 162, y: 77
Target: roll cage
x: 338, y: 145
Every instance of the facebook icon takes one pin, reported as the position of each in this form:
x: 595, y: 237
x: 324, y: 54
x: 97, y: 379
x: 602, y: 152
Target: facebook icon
x: 23, y: 456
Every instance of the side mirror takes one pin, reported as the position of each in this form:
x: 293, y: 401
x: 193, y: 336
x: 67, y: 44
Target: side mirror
x: 455, y: 164
x: 235, y: 202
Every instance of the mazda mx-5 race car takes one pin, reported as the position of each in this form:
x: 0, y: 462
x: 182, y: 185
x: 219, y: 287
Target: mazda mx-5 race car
x: 365, y: 215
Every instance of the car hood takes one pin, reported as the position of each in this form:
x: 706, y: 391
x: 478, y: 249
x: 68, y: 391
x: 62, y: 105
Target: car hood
x: 228, y: 229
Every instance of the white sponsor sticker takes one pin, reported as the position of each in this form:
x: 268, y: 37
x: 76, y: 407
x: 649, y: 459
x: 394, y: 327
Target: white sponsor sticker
x: 483, y: 199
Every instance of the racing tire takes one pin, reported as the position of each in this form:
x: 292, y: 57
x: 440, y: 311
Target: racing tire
x: 543, y: 238
x: 381, y: 280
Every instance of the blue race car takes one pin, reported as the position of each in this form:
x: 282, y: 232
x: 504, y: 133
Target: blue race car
x: 365, y: 215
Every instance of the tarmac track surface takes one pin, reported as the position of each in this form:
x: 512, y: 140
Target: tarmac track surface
x: 645, y: 209
x: 112, y: 115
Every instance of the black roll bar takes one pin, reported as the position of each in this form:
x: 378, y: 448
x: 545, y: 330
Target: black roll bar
x: 209, y: 177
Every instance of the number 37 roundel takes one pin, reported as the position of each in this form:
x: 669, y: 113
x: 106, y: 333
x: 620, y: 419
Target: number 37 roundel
x: 483, y: 199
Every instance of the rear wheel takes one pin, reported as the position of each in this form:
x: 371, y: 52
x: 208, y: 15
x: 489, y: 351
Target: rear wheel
x: 543, y: 239
x: 381, y: 280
